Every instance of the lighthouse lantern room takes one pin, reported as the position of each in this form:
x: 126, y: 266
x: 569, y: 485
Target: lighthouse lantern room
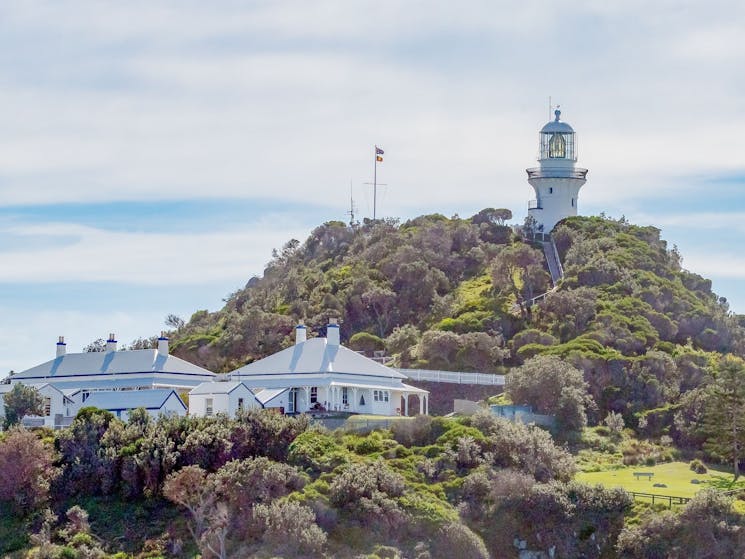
x: 557, y: 181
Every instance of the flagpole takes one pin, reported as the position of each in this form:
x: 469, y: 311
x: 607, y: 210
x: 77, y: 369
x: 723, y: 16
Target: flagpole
x: 375, y: 182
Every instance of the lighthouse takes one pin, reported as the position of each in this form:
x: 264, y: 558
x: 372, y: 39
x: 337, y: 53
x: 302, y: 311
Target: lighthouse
x: 557, y: 181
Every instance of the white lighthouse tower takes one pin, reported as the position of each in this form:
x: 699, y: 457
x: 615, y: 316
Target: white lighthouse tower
x: 557, y: 181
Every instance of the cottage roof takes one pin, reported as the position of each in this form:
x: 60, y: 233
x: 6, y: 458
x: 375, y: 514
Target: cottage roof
x: 217, y: 387
x: 267, y: 395
x: 131, y: 399
x: 111, y: 362
x: 318, y: 356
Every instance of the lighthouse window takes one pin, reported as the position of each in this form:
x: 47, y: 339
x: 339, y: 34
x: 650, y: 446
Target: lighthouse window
x: 550, y: 189
x: 557, y: 146
x: 572, y: 202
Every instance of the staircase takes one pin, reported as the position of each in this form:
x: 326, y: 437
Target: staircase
x: 553, y: 261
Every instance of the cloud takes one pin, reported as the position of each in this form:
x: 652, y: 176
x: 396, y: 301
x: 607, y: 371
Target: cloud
x: 280, y: 100
x: 704, y: 220
x: 76, y: 253
x: 716, y: 264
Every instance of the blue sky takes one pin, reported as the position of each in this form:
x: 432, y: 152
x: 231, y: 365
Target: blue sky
x: 153, y: 153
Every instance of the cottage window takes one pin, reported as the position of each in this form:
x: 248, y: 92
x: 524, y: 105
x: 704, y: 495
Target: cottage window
x: 47, y: 407
x: 344, y: 395
x: 385, y: 395
x: 313, y: 394
x: 209, y: 407
x: 240, y: 404
x: 362, y: 400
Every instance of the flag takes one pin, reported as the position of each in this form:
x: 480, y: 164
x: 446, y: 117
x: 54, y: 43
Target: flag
x: 378, y: 158
x: 378, y: 151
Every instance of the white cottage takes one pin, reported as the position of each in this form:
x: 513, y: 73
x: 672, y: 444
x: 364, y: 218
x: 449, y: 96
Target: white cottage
x: 158, y: 401
x: 321, y: 374
x: 56, y: 404
x: 229, y: 398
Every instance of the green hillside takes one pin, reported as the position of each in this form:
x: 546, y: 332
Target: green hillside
x: 637, y: 359
x: 450, y: 293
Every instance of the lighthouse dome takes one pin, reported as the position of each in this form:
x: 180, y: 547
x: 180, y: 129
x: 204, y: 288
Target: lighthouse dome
x: 557, y: 126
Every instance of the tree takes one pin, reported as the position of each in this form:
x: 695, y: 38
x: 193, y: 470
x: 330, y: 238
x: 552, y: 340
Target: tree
x: 402, y: 341
x: 290, y: 528
x: 569, y: 312
x: 174, y: 321
x: 26, y: 470
x: 380, y: 301
x: 192, y: 488
x: 553, y: 387
x: 724, y: 417
x: 518, y: 269
x: 491, y: 215
x: 366, y: 342
x: 20, y: 402
x: 95, y: 346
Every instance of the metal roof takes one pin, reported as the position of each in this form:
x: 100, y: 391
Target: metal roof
x: 218, y: 387
x: 400, y: 388
x: 317, y: 356
x: 269, y: 394
x: 130, y: 399
x: 112, y: 362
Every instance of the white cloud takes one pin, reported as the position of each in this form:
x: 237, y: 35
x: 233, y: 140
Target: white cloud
x: 706, y: 220
x: 279, y: 99
x: 88, y: 254
x: 716, y: 264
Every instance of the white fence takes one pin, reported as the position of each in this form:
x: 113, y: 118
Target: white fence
x: 453, y: 377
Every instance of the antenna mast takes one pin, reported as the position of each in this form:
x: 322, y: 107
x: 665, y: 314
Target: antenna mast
x: 351, y: 205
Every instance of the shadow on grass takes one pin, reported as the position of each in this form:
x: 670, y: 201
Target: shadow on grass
x: 725, y: 482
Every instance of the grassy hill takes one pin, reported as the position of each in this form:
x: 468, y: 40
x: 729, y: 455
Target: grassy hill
x: 450, y: 293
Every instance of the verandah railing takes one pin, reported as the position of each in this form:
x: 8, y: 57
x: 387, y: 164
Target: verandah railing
x: 453, y: 377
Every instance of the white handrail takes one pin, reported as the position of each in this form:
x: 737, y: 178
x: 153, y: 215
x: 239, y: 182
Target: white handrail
x: 453, y: 377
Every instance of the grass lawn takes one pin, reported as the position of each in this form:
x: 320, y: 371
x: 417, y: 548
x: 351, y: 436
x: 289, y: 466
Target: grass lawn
x: 676, y: 475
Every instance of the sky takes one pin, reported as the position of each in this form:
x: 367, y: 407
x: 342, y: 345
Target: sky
x: 153, y: 153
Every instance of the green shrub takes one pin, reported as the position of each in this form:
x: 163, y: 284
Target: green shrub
x: 698, y: 466
x: 364, y: 341
x: 317, y: 451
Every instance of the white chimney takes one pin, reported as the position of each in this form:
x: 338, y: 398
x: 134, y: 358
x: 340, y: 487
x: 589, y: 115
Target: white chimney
x: 301, y: 333
x: 332, y: 332
x: 111, y: 343
x: 163, y: 344
x: 61, y: 346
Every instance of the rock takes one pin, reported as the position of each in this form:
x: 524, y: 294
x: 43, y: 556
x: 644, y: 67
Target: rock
x: 659, y: 485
